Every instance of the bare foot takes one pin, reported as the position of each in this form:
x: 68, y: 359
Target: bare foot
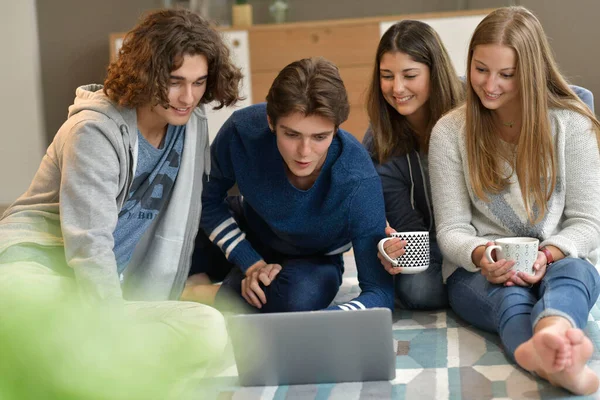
x: 560, y: 355
x: 200, y: 289
x: 548, y: 351
x: 553, y: 348
x: 198, y: 279
x: 577, y: 377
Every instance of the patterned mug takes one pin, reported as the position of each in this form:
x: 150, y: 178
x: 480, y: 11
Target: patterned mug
x: 522, y: 250
x: 416, y: 256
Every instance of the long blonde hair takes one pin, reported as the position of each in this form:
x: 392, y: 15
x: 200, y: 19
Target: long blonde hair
x: 391, y: 132
x: 541, y: 86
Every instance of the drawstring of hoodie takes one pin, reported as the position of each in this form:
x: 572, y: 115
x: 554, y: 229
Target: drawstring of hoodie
x: 425, y: 190
x: 412, y: 187
x: 207, y: 161
x: 412, y: 183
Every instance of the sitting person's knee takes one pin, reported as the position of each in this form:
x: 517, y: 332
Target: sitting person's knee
x: 312, y: 293
x: 414, y: 296
x: 208, y: 328
x: 298, y: 303
x: 421, y: 299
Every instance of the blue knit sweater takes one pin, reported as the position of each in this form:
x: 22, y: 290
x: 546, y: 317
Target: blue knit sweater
x: 343, y: 208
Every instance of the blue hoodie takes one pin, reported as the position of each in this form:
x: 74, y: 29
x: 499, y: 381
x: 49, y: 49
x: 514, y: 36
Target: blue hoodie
x: 344, y: 208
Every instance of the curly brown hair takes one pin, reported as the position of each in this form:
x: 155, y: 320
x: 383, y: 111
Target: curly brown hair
x: 311, y: 86
x: 155, y: 48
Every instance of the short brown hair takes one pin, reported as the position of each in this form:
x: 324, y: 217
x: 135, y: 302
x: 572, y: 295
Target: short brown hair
x: 311, y: 86
x: 155, y: 48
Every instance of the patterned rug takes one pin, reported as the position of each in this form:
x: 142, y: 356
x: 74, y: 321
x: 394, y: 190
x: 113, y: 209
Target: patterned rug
x: 438, y: 357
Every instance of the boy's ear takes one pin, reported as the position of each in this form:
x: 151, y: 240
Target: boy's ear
x: 271, y: 126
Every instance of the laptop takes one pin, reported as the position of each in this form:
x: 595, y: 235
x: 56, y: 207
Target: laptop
x: 313, y: 347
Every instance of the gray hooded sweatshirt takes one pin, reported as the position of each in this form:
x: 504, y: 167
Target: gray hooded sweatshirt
x: 80, y: 187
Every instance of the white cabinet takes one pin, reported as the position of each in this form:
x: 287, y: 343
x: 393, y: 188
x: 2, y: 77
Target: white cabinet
x: 455, y: 33
x: 240, y: 55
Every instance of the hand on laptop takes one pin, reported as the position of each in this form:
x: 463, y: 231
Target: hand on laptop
x: 261, y: 272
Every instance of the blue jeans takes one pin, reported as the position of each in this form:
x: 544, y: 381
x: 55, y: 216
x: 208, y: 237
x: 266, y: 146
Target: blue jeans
x: 303, y: 284
x: 425, y: 290
x: 569, y: 289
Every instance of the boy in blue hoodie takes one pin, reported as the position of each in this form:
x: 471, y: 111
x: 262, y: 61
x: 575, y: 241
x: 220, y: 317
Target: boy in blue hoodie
x: 309, y: 193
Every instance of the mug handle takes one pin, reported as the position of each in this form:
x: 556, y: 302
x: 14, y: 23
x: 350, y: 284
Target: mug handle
x: 383, y: 253
x: 488, y: 252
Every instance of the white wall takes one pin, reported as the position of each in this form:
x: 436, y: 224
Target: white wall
x: 22, y: 140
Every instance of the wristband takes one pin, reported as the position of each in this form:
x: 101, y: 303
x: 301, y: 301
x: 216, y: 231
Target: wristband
x: 549, y: 258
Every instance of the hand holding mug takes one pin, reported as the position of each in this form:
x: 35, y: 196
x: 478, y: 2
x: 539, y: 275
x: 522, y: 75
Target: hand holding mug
x: 496, y: 272
x: 527, y: 280
x: 412, y: 258
x: 528, y: 266
x: 394, y: 248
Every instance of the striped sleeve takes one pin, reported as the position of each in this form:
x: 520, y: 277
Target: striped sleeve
x: 216, y: 218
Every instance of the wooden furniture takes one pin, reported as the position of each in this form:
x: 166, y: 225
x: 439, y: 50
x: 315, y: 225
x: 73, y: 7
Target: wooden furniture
x: 263, y: 50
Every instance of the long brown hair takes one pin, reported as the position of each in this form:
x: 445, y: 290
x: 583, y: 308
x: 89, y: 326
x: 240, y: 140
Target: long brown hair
x: 155, y: 48
x: 541, y: 86
x: 391, y: 131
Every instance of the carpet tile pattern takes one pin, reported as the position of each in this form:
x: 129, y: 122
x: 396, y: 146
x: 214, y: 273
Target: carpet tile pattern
x: 438, y: 356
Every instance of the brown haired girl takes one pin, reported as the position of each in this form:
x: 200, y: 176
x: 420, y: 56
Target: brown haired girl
x: 412, y: 86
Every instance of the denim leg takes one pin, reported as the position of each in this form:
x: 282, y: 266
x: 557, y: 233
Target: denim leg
x: 209, y: 259
x: 494, y: 308
x: 305, y: 284
x: 569, y: 289
x: 425, y: 290
x: 229, y: 297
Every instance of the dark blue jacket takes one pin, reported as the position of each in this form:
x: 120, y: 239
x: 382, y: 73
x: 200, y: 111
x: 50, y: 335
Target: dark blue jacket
x: 407, y: 201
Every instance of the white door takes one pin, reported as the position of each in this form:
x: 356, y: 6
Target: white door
x: 240, y: 55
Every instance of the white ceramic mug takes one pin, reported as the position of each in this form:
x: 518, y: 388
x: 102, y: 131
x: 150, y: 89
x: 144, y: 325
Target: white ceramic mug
x: 522, y: 250
x: 416, y: 256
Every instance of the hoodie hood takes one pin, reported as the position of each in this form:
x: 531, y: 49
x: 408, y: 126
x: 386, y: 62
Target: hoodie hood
x: 92, y: 98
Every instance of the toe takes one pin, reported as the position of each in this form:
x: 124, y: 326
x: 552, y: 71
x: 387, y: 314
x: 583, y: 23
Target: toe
x: 575, y: 336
